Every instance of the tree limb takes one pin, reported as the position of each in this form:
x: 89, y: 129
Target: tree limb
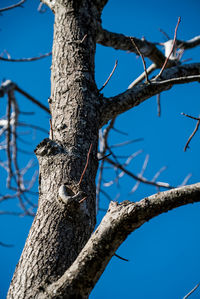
x: 12, y: 6
x: 117, y: 224
x: 191, y: 43
x: 122, y: 42
x: 113, y: 106
x: 148, y: 49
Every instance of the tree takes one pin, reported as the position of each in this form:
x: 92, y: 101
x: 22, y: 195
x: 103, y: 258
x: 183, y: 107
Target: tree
x: 51, y: 263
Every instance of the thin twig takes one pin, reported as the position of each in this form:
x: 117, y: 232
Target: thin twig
x: 185, y: 180
x: 126, y: 142
x: 173, y: 44
x: 40, y: 9
x: 186, y: 296
x: 8, y: 141
x: 142, y: 179
x: 99, y: 185
x: 121, y: 258
x: 158, y: 105
x: 86, y: 165
x: 192, y: 135
x: 139, y: 79
x: 120, y: 132
x: 158, y: 173
x: 190, y: 116
x: 12, y: 6
x: 121, y: 174
x: 116, y: 62
x: 102, y: 158
x: 5, y: 245
x: 25, y: 59
x: 164, y: 33
x: 31, y: 99
x: 144, y: 166
x: 142, y: 57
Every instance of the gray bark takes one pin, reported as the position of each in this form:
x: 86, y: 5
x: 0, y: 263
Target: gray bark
x: 59, y: 231
x: 52, y: 264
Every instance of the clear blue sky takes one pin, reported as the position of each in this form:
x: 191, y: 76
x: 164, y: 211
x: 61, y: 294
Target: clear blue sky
x: 164, y: 253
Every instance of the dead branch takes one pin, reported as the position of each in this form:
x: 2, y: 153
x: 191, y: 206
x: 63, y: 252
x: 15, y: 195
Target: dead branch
x: 25, y: 59
x: 116, y: 62
x: 32, y: 99
x: 192, y: 135
x: 94, y: 257
x: 192, y: 291
x: 158, y: 105
x: 139, y: 79
x: 113, y: 106
x: 142, y: 57
x: 140, y: 175
x: 137, y: 178
x: 170, y: 52
x: 19, y: 4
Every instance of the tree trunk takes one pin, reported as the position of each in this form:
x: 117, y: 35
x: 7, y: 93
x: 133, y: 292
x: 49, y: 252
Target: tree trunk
x: 55, y: 262
x: 60, y: 230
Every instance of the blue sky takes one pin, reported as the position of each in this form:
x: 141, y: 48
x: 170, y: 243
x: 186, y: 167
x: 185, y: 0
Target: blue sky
x: 164, y: 253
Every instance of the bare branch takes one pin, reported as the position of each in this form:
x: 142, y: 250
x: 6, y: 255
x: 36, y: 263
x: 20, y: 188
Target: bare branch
x: 5, y: 245
x: 170, y: 52
x: 117, y: 224
x: 113, y: 106
x: 189, y: 44
x: 164, y: 33
x: 192, y: 135
x: 148, y: 49
x: 195, y: 130
x: 26, y: 59
x: 116, y: 62
x: 142, y: 57
x: 158, y: 104
x: 190, y: 116
x: 12, y: 6
x: 32, y: 99
x: 122, y: 42
x: 9, y: 85
x: 186, y: 296
x: 138, y: 178
x: 140, y: 175
x: 40, y: 9
x: 139, y: 79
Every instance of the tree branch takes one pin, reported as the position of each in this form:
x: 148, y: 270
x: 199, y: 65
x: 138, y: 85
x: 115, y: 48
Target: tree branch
x: 12, y: 6
x: 113, y: 106
x: 148, y: 49
x: 122, y: 42
x: 191, y: 43
x: 117, y: 224
x: 26, y: 59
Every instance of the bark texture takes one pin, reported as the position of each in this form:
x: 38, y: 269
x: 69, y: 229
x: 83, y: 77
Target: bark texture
x: 60, y: 231
x: 54, y: 262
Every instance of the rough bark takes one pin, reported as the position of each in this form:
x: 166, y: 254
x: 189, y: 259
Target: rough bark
x: 117, y: 224
x: 66, y: 212
x: 60, y: 231
x: 111, y: 107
